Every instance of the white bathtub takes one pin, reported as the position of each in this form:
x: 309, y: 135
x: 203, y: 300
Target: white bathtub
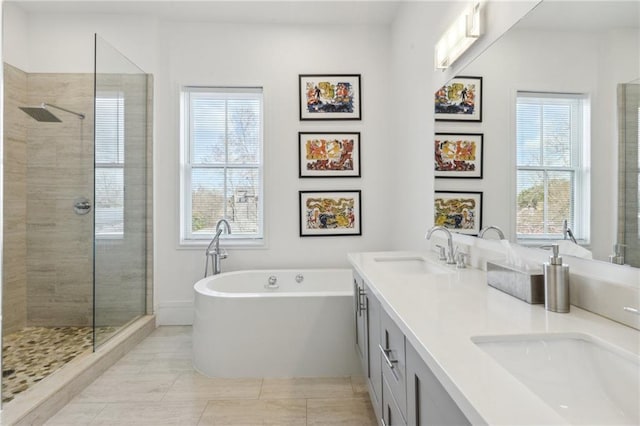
x: 306, y: 329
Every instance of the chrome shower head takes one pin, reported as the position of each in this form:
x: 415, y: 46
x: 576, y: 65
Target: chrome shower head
x: 42, y: 114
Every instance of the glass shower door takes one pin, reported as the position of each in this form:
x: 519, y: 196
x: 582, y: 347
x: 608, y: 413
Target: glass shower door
x: 120, y: 228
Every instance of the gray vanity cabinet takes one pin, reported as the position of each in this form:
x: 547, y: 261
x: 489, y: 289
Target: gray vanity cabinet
x: 391, y: 413
x: 428, y: 403
x: 367, y: 314
x: 392, y: 353
x: 402, y: 388
x: 360, y: 303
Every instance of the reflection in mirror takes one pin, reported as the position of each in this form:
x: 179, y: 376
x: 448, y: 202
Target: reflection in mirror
x: 582, y: 49
x: 628, y: 247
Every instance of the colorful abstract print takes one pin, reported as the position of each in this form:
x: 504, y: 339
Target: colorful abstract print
x: 455, y: 155
x: 330, y: 213
x: 324, y: 96
x: 455, y: 213
x: 456, y: 98
x: 329, y: 154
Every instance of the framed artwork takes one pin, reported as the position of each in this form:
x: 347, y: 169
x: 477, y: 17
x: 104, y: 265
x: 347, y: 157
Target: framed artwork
x: 460, y: 100
x: 329, y: 96
x: 458, y: 155
x: 329, y: 154
x: 458, y: 211
x: 330, y: 213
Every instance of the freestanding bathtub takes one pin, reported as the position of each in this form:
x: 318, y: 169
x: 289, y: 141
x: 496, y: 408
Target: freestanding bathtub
x: 275, y: 323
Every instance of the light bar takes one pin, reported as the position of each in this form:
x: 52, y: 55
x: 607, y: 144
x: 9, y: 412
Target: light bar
x: 458, y: 38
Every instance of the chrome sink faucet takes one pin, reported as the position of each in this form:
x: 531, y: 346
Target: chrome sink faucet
x: 215, y: 254
x: 450, y: 251
x: 487, y: 228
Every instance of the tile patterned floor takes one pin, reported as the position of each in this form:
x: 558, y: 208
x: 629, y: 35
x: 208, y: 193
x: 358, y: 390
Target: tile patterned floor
x: 33, y: 353
x: 155, y: 384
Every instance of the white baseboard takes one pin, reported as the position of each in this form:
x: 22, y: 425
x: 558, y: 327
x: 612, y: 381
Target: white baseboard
x: 175, y: 313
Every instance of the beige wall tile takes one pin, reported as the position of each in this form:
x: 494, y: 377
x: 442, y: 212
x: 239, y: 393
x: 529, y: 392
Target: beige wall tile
x: 14, y: 267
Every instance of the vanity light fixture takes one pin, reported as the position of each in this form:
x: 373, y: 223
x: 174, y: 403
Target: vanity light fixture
x: 459, y: 37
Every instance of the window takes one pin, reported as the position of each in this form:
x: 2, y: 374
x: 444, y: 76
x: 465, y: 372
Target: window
x: 109, y: 167
x: 221, y: 163
x: 552, y: 184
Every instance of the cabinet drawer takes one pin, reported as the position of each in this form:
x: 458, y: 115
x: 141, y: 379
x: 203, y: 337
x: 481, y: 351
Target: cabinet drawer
x: 391, y: 414
x: 428, y: 403
x: 392, y: 352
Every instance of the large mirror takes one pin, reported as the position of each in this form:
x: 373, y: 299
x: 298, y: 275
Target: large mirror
x: 581, y: 50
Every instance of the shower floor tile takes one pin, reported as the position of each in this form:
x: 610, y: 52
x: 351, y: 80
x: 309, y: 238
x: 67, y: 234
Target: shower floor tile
x: 33, y: 353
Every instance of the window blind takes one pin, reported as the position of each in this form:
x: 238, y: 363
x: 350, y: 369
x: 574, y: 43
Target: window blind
x: 109, y: 164
x: 223, y: 168
x: 548, y: 145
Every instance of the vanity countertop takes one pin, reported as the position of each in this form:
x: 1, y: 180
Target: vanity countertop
x: 440, y: 313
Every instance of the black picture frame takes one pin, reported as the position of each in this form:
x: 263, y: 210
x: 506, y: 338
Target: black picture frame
x: 329, y: 97
x: 459, y: 100
x: 315, y: 222
x: 459, y: 211
x: 458, y: 155
x: 328, y: 154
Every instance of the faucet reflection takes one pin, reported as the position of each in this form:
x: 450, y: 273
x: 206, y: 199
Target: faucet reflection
x: 487, y: 228
x: 566, y: 231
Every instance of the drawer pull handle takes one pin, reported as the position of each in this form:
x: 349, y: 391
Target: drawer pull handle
x: 385, y: 354
x: 383, y: 422
x: 361, y: 299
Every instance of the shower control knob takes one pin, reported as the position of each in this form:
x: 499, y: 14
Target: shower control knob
x: 81, y: 205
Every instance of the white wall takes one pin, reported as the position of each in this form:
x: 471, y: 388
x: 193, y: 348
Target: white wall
x: 15, y: 36
x: 535, y: 61
x: 397, y: 124
x: 272, y: 57
x: 415, y: 31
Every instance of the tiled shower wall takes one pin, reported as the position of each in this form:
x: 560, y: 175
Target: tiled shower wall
x: 48, y: 249
x: 14, y: 262
x: 628, y: 180
x: 59, y: 169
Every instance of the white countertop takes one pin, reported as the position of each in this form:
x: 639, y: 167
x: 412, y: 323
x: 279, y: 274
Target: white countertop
x: 440, y: 313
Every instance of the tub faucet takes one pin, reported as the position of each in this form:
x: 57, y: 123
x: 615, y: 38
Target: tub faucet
x: 213, y: 250
x: 487, y: 228
x: 450, y: 252
x: 566, y: 231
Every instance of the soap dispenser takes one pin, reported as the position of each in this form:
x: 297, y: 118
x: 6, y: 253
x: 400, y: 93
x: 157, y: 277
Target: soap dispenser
x: 556, y: 283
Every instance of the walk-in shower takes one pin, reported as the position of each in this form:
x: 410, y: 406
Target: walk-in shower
x: 76, y: 206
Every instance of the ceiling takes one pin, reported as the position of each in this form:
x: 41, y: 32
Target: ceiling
x: 237, y: 11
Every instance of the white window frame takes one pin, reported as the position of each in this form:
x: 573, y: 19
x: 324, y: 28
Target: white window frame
x: 581, y: 165
x: 187, y: 238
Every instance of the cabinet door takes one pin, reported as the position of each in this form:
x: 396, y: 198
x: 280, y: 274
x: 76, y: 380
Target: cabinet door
x: 391, y: 350
x: 360, y: 311
x: 428, y: 403
x: 391, y: 415
x: 375, y: 361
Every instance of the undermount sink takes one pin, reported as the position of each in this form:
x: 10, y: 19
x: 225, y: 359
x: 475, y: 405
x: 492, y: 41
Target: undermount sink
x: 586, y: 380
x: 410, y: 265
